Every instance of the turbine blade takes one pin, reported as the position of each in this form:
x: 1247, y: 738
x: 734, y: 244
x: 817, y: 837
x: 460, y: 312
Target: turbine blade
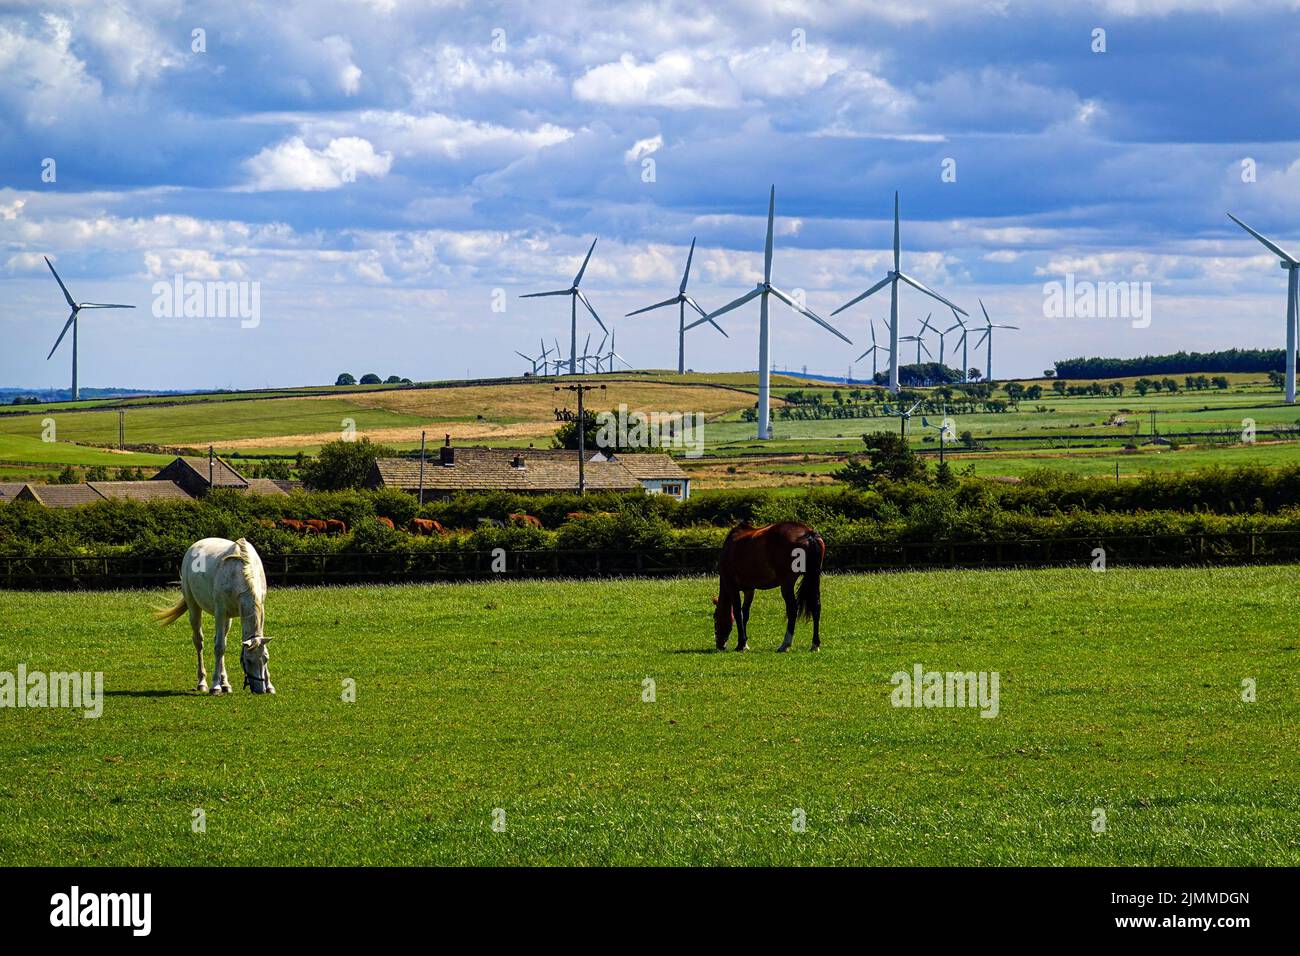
x: 694, y: 305
x: 1269, y: 243
x: 874, y: 289
x: 579, y: 294
x: 987, y: 320
x: 103, y: 305
x: 734, y: 304
x: 67, y: 325
x: 811, y: 315
x: 66, y: 294
x: 538, y: 295
x: 657, y: 305
x: 578, y: 277
x: 920, y: 287
x: 767, y: 249
x: 719, y: 328
x: 523, y: 356
x: 687, y: 274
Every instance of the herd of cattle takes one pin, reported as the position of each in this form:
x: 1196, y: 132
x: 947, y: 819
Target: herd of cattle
x: 419, y: 526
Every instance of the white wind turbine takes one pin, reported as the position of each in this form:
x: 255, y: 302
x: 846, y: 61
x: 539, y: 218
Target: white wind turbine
x: 540, y: 361
x: 613, y: 353
x: 72, y: 321
x: 871, y: 325
x: 761, y: 292
x: 682, y: 300
x: 958, y: 324
x: 989, y: 326
x: 575, y: 295
x: 919, y: 338
x: 891, y: 279
x: 1290, y: 264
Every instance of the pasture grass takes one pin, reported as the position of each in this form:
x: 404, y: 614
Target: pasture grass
x: 1119, y: 691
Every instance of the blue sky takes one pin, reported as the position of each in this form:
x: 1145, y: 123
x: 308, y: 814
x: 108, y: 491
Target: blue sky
x: 379, y: 168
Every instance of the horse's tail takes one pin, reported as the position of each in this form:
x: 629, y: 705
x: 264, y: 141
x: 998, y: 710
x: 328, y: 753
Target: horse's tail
x: 166, y: 615
x: 809, y: 597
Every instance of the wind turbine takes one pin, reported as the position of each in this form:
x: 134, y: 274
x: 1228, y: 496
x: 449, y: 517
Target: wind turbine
x: 575, y: 294
x: 682, y: 300
x: 871, y: 325
x: 586, y: 354
x: 959, y: 324
x: 891, y: 279
x: 920, y: 344
x: 761, y: 292
x: 904, y: 416
x: 1290, y: 263
x: 989, y: 326
x: 72, y: 321
x: 539, y: 361
x: 613, y: 353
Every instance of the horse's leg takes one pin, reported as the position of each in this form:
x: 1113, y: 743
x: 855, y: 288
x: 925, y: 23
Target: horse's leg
x: 791, y: 614
x: 740, y: 608
x: 817, y: 623
x: 220, y: 682
x: 196, y: 625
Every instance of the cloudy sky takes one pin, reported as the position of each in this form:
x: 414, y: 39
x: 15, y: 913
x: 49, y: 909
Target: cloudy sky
x: 379, y: 168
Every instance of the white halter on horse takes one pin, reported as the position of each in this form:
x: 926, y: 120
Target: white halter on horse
x: 225, y: 578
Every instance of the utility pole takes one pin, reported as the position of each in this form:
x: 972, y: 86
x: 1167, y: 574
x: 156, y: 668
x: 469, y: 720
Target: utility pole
x: 421, y: 495
x: 121, y: 429
x: 582, y: 430
x: 212, y: 465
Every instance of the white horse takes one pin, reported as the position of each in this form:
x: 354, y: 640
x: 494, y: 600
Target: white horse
x: 225, y: 578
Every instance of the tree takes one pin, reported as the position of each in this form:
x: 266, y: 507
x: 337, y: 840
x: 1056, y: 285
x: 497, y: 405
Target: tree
x: 888, y: 457
x: 370, y: 378
x: 68, y: 476
x: 345, y: 378
x: 97, y: 473
x: 342, y: 464
x: 1049, y: 373
x: 974, y: 374
x: 1059, y: 387
x: 393, y: 380
x: 1143, y: 385
x: 1219, y: 381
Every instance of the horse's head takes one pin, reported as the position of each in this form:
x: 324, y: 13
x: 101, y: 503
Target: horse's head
x: 722, y: 619
x: 253, y: 657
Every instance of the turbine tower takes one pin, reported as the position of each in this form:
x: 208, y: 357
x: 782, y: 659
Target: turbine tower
x: 761, y: 292
x: 682, y: 300
x: 72, y: 321
x: 891, y: 279
x: 575, y: 294
x: 1290, y: 263
x: 989, y: 326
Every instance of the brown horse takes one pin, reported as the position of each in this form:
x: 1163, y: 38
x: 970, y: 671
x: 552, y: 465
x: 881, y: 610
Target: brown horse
x: 426, y: 526
x: 763, y: 558
x: 293, y: 524
x: 525, y: 520
x: 386, y: 522
x: 315, y: 526
x: 335, y: 526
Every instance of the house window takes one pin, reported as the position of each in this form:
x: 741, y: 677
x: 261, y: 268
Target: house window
x: 672, y: 488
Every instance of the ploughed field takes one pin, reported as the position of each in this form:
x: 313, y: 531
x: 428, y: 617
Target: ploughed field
x: 1121, y: 735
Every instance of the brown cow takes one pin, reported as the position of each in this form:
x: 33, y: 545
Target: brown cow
x: 315, y: 525
x: 425, y: 526
x: 525, y: 520
x: 335, y: 526
x: 386, y: 522
x: 293, y: 524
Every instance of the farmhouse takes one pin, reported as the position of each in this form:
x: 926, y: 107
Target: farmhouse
x: 528, y: 470
x: 184, y: 478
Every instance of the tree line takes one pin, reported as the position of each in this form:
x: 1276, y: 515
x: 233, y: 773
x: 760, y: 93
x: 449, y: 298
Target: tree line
x: 1181, y: 363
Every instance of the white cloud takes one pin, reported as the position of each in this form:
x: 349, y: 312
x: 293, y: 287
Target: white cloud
x: 347, y: 73
x: 676, y: 79
x: 294, y: 165
x: 194, y: 263
x: 42, y: 74
x: 777, y: 70
x: 644, y: 147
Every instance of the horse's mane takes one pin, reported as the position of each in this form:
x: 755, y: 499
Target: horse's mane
x: 241, y: 554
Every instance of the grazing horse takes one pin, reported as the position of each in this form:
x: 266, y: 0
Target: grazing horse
x: 316, y: 525
x: 386, y: 522
x: 426, y: 526
x: 293, y: 524
x: 225, y: 578
x: 335, y: 526
x: 762, y: 558
x: 527, y: 521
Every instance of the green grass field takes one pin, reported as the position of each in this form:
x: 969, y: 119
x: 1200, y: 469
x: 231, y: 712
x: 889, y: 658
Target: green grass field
x: 1119, y: 691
